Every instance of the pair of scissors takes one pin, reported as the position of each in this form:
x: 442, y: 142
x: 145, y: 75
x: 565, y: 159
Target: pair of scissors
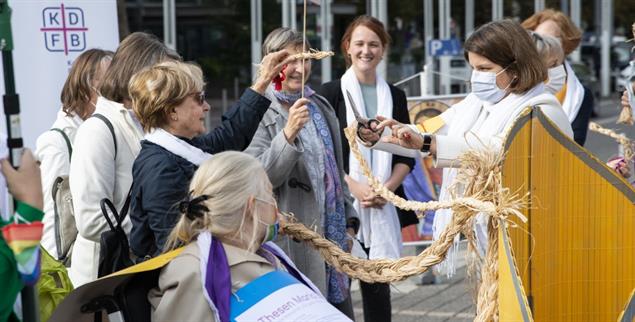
x: 362, y: 122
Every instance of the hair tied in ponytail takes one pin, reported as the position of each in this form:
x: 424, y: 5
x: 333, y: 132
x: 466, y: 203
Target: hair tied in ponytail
x: 193, y: 207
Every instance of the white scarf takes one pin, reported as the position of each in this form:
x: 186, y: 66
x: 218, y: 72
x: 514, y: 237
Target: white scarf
x: 379, y: 228
x: 574, y: 96
x: 177, y: 146
x: 476, y: 118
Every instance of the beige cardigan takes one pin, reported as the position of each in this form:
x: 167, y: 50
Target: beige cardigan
x: 179, y: 294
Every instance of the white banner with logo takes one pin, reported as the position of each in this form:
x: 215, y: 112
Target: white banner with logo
x: 48, y: 36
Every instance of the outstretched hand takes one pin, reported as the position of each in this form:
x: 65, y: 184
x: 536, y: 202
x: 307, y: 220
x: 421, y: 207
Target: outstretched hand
x: 270, y: 67
x: 404, y: 136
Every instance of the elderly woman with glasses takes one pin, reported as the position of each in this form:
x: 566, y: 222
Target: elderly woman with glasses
x: 169, y: 101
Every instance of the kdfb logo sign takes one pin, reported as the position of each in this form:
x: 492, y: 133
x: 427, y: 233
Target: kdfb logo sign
x: 64, y: 29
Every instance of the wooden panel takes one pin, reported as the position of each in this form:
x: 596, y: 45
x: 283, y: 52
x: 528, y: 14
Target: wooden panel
x: 582, y: 219
x: 516, y: 177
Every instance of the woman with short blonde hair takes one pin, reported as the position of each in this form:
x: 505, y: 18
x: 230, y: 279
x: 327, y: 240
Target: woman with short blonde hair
x: 169, y: 101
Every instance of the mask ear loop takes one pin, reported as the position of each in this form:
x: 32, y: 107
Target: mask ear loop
x: 513, y: 78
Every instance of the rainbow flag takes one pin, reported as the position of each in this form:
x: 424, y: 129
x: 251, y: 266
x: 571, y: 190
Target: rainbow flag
x: 24, y: 240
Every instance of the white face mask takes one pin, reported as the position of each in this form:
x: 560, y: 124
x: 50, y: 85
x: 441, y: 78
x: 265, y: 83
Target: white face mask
x: 557, y: 79
x: 485, y: 88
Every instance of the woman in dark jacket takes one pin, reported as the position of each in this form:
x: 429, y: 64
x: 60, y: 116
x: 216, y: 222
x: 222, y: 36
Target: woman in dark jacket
x: 169, y: 101
x: 364, y: 44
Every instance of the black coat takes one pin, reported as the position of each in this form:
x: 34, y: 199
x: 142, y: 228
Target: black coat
x: 333, y: 93
x: 161, y: 178
x: 580, y: 124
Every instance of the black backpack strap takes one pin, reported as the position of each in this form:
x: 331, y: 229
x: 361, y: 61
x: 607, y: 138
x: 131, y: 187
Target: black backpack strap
x: 110, y: 127
x: 126, y: 206
x: 106, y: 204
x: 67, y: 140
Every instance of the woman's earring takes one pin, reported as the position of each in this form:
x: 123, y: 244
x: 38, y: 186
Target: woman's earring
x: 174, y: 118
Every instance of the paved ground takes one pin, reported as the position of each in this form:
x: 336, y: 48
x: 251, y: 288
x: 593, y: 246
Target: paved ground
x: 448, y: 300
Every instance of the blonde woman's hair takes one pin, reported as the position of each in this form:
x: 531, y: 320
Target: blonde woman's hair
x: 549, y: 49
x: 157, y: 90
x: 229, y: 179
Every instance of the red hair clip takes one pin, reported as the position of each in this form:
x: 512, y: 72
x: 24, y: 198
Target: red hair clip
x: 277, y: 81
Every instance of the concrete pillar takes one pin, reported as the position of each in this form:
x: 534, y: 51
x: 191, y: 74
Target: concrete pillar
x: 326, y: 19
x: 169, y: 23
x: 469, y: 17
x: 256, y: 35
x: 576, y: 18
x: 497, y: 10
x: 606, y: 39
x: 428, y: 34
x: 379, y: 10
x: 539, y: 5
x: 444, y: 33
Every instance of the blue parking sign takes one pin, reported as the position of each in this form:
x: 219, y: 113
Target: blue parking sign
x: 444, y: 47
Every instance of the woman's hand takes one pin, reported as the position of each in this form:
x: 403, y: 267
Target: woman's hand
x: 405, y: 136
x: 298, y: 117
x: 364, y: 193
x: 24, y: 183
x: 270, y: 67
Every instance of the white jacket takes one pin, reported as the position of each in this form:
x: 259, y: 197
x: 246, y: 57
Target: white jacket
x: 96, y: 174
x: 472, y: 124
x: 52, y: 152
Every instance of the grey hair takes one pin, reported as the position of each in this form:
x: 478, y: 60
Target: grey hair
x: 549, y: 49
x: 281, y: 38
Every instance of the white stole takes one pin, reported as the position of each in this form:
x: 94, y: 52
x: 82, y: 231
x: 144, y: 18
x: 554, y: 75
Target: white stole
x: 379, y: 228
x: 177, y: 146
x: 476, y: 118
x: 574, y: 95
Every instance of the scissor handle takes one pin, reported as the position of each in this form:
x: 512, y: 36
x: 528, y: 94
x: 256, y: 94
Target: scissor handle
x: 367, y: 124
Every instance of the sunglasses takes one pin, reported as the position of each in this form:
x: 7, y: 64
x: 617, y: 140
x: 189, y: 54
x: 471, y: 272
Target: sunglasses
x: 200, y: 97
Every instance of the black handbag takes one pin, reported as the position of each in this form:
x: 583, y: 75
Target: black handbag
x: 114, y: 251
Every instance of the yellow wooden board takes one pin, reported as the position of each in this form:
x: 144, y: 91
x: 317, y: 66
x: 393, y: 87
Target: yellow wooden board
x: 512, y: 301
x: 576, y: 255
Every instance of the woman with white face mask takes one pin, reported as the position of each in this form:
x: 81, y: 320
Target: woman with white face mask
x: 577, y: 101
x: 507, y: 77
x: 552, y: 57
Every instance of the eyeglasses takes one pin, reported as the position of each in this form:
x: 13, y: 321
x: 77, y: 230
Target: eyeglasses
x: 200, y: 97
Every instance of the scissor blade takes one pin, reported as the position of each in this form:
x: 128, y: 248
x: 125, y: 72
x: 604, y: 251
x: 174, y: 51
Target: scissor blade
x: 358, y: 116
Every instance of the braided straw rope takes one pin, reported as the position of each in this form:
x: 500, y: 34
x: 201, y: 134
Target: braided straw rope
x: 480, y: 180
x: 313, y: 54
x: 626, y: 143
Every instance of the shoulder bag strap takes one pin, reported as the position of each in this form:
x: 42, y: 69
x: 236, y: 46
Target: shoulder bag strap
x: 67, y: 140
x: 110, y: 127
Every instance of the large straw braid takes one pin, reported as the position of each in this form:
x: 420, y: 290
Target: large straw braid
x: 627, y: 144
x: 480, y: 181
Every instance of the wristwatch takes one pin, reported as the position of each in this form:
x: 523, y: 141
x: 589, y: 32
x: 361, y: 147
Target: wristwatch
x: 427, y: 141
